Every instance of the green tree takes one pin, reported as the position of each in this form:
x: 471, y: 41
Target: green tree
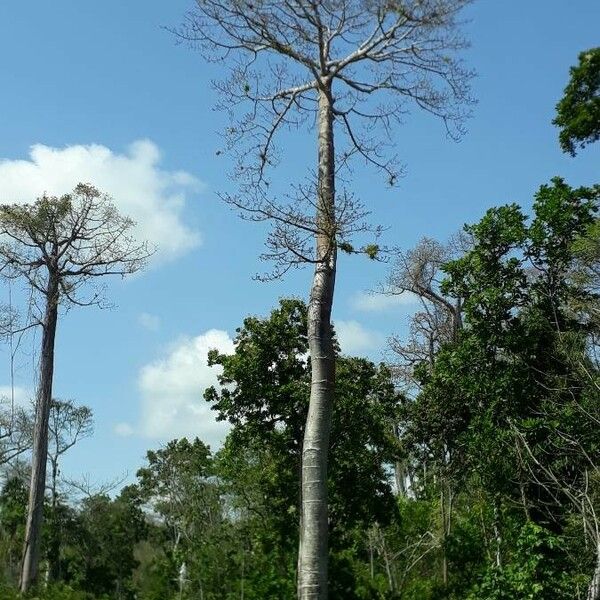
x: 179, y: 483
x: 264, y: 393
x: 103, y: 559
x: 505, y: 408
x: 13, y: 503
x: 67, y: 424
x: 578, y: 112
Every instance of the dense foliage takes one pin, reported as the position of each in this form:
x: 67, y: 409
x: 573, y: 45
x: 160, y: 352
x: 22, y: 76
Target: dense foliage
x: 578, y: 112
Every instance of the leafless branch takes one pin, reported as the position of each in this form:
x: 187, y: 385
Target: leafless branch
x: 377, y: 57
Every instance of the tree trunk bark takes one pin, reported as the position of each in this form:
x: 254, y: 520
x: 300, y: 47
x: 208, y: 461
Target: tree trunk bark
x: 35, y: 508
x: 400, y: 479
x: 399, y: 469
x: 444, y: 531
x: 312, y: 556
x: 497, y: 537
x: 54, y: 537
x: 594, y: 589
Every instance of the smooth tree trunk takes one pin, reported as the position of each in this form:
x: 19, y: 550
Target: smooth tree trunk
x: 312, y: 556
x: 594, y: 589
x: 35, y: 508
x: 400, y: 479
x: 497, y: 536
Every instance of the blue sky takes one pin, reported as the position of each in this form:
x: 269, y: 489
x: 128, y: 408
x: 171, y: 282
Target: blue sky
x: 101, y: 91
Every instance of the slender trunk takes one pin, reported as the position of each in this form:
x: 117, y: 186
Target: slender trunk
x: 594, y: 589
x: 446, y: 498
x: 371, y: 557
x: 400, y: 479
x: 497, y: 537
x: 444, y: 531
x: 54, y: 542
x: 450, y: 508
x: 312, y: 556
x: 182, y: 579
x: 399, y: 470
x: 35, y: 508
x: 456, y: 320
x: 388, y: 566
x: 243, y: 565
x: 53, y: 491
x: 410, y: 476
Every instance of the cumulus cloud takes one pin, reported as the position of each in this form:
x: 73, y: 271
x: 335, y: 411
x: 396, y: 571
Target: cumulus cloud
x: 355, y: 339
x: 371, y: 302
x: 149, y: 322
x: 153, y: 197
x: 172, y: 390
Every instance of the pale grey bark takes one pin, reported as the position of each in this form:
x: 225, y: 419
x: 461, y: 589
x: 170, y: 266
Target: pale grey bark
x: 444, y: 535
x: 35, y: 509
x: 312, y: 556
x: 497, y: 536
x: 594, y: 589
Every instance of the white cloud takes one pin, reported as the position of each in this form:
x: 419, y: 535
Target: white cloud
x: 172, y: 390
x: 140, y: 189
x: 372, y: 302
x: 123, y: 429
x: 149, y: 322
x: 355, y: 339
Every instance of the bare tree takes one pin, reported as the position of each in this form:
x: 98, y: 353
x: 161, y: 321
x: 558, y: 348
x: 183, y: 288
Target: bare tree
x: 16, y: 426
x: 58, y: 245
x: 418, y: 271
x: 67, y: 424
x: 351, y: 67
x: 85, y: 487
x: 16, y: 422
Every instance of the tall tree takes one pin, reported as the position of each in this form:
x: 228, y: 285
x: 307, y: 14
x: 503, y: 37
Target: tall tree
x: 351, y: 65
x: 179, y: 484
x: 58, y: 245
x: 578, y: 119
x: 418, y: 271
